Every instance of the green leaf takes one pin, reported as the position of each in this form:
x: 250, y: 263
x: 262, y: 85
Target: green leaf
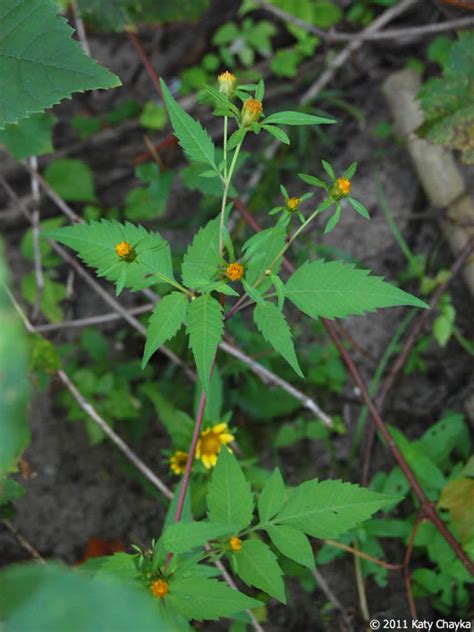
x: 184, y: 536
x: 333, y: 221
x: 296, y: 118
x: 71, y: 179
x: 29, y: 137
x: 229, y: 499
x: 257, y: 566
x: 201, y: 261
x: 95, y: 243
x: 328, y: 169
x: 273, y: 497
x: 153, y: 116
x: 277, y: 133
x: 336, y: 289
x: 326, y: 13
x: 274, y: 328
x: 205, y: 329
x: 75, y: 601
x: 261, y: 250
x: 195, y: 141
x: 177, y: 422
x: 168, y: 316
x: 120, y: 565
x: 197, y: 597
x: 313, y: 181
x: 40, y: 63
x: 14, y: 382
x: 51, y: 297
x: 359, y: 207
x: 329, y: 508
x: 293, y: 543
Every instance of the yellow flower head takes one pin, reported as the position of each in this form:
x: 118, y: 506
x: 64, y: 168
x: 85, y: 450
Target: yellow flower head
x: 251, y: 111
x: 234, y: 271
x: 235, y: 544
x: 344, y: 186
x: 159, y: 588
x: 125, y: 251
x: 227, y: 82
x: 210, y: 443
x: 178, y: 462
x: 293, y: 204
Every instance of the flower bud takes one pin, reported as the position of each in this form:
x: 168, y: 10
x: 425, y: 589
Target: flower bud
x: 293, y: 204
x: 125, y: 251
x: 234, y: 271
x: 340, y: 189
x: 251, y: 112
x: 227, y: 82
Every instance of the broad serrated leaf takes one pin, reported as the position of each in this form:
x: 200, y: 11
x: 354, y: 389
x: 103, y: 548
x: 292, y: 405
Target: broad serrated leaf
x: 229, y: 498
x: 273, y: 326
x: 329, y: 508
x: 201, y: 261
x: 296, y: 118
x: 293, y: 543
x: 95, y: 243
x: 337, y: 289
x: 29, y: 137
x: 197, y: 597
x: 168, y: 316
x: 184, y: 536
x: 273, y: 497
x: 205, y: 329
x: 195, y: 141
x: 257, y: 566
x: 262, y: 249
x: 40, y: 64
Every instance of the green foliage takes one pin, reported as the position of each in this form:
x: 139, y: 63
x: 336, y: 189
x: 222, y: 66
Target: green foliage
x: 73, y: 600
x: 185, y: 536
x: 229, y: 499
x: 205, y: 328
x: 261, y: 250
x: 273, y: 497
x: 296, y: 118
x: 245, y: 41
x: 292, y: 543
x: 95, y: 243
x: 41, y: 64
x: 257, y: 566
x: 448, y: 101
x: 167, y: 318
x: 336, y: 289
x: 29, y: 137
x: 153, y: 116
x: 195, y: 141
x: 148, y: 203
x: 274, y: 328
x: 14, y: 386
x: 72, y: 179
x: 51, y: 297
x: 201, y: 261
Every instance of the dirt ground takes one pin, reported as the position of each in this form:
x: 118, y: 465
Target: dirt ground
x: 77, y: 491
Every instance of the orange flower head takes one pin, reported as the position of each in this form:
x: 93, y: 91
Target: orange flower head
x: 210, y: 443
x: 251, y: 112
x: 125, y: 251
x: 159, y: 588
x: 235, y: 544
x: 344, y: 186
x: 227, y: 82
x: 293, y: 204
x: 178, y: 462
x: 234, y: 271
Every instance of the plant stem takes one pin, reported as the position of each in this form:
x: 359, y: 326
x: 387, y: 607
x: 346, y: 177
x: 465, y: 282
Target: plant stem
x: 225, y: 147
x: 360, y: 586
x: 227, y: 182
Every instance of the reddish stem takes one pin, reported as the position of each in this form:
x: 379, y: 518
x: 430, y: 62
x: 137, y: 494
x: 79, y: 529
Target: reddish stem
x: 146, y: 62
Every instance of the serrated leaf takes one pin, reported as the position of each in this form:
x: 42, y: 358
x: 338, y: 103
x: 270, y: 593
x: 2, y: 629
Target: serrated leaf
x: 201, y: 261
x: 205, y: 329
x: 29, y: 137
x: 185, y: 536
x: 277, y: 133
x: 168, y: 316
x: 273, y: 497
x: 262, y: 249
x: 40, y: 62
x: 329, y: 508
x: 257, y: 566
x: 296, y: 118
x: 337, y: 289
x: 195, y: 141
x: 95, y: 243
x: 273, y: 326
x: 293, y: 543
x: 197, y: 597
x: 229, y: 499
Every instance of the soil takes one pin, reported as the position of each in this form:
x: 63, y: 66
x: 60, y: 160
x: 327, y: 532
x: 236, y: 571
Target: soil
x: 75, y: 491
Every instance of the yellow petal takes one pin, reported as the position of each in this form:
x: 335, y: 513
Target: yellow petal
x: 206, y: 461
x: 198, y: 449
x: 218, y: 428
x: 212, y: 459
x: 226, y: 437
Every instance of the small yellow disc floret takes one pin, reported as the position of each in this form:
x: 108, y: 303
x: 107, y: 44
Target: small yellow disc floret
x: 293, y: 204
x: 344, y: 185
x: 159, y: 588
x: 234, y: 271
x: 178, y: 462
x: 125, y: 251
x: 235, y: 544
